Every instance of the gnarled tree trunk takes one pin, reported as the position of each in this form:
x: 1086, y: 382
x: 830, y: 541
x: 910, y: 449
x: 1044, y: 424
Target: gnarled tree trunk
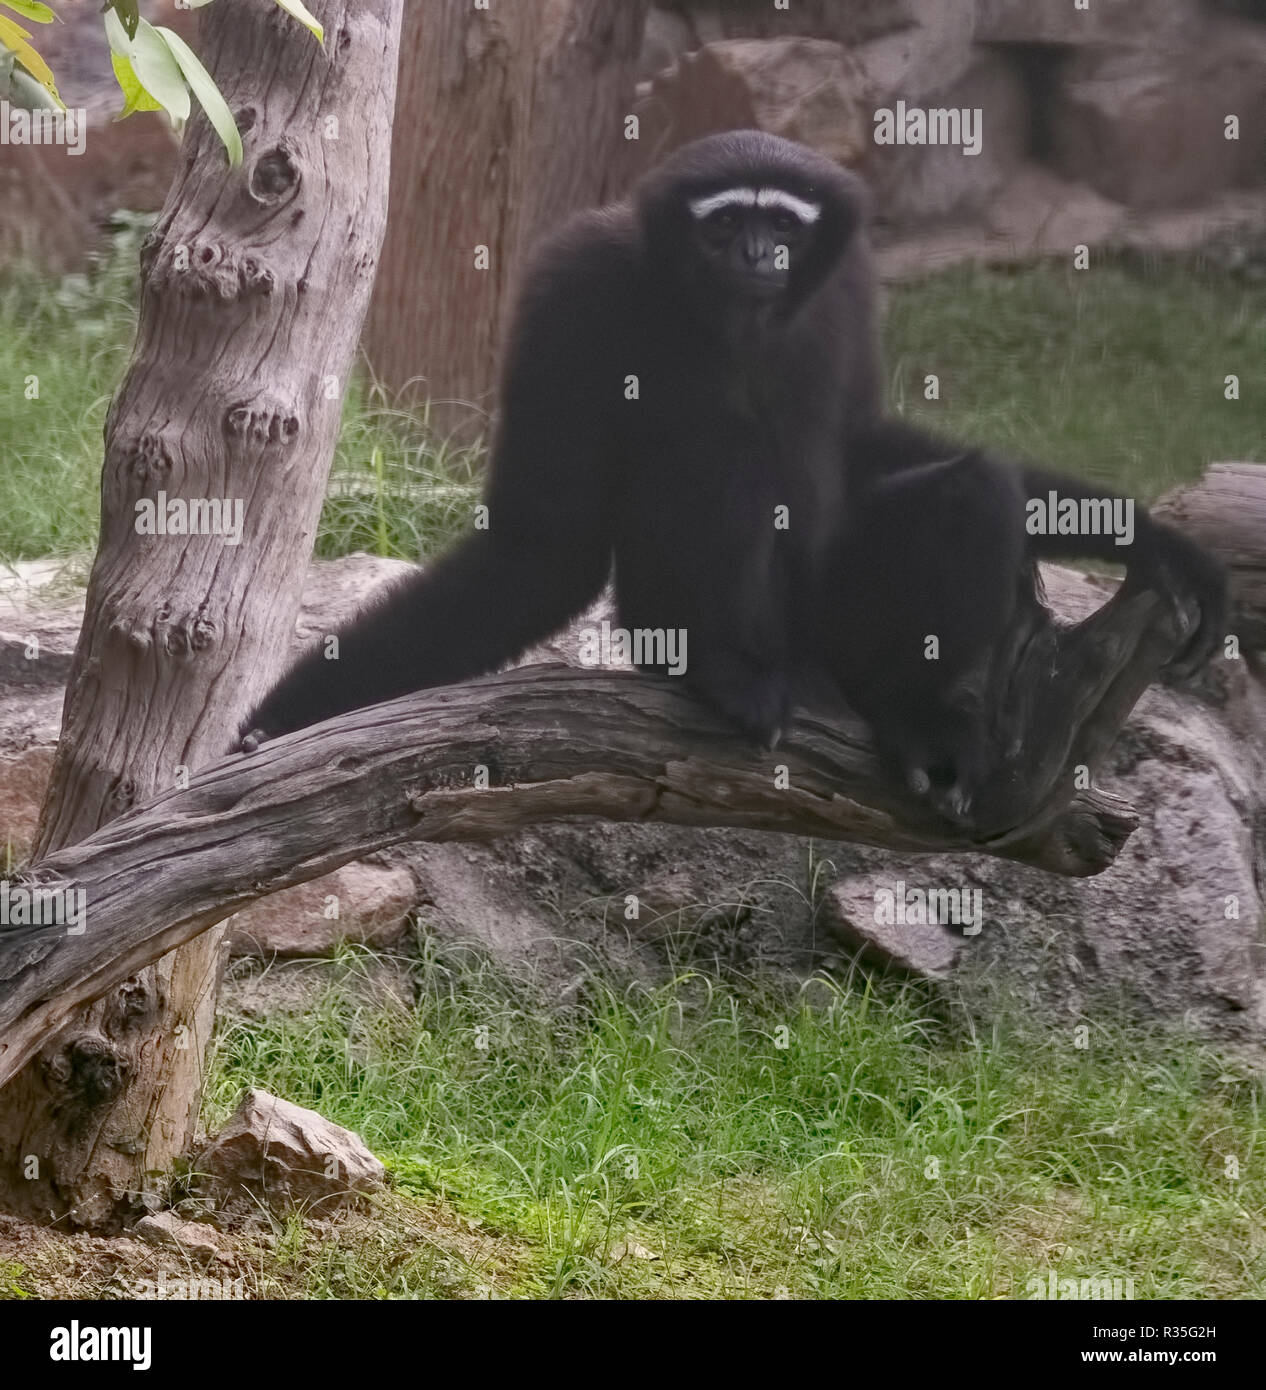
x: 255, y: 283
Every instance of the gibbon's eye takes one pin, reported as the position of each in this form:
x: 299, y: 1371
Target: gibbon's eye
x: 784, y: 221
x: 725, y: 219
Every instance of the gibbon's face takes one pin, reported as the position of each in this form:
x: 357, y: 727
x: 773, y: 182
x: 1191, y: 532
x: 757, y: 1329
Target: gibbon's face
x: 749, y: 237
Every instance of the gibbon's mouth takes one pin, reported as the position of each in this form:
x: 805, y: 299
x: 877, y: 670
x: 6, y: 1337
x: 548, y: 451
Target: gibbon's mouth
x: 763, y: 284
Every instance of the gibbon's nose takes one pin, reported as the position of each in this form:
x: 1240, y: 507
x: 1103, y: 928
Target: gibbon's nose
x: 756, y: 250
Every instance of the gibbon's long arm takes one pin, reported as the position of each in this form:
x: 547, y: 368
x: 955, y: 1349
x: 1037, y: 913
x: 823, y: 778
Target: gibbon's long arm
x: 479, y: 606
x: 1157, y: 556
x: 544, y: 556
x: 890, y: 455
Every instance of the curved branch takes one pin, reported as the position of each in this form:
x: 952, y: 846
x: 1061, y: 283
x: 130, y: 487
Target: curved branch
x: 543, y: 743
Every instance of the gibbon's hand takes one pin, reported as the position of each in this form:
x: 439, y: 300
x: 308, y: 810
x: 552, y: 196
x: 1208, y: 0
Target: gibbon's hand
x: 249, y: 741
x: 756, y: 699
x: 1188, y: 576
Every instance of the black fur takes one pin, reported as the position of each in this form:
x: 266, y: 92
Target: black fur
x: 743, y: 402
x: 935, y: 543
x: 757, y: 389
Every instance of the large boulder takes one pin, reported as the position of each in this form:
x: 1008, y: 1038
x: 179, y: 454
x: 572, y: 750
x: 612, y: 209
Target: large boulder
x: 810, y: 90
x: 851, y: 23
x: 1147, y: 125
x: 917, y: 184
x: 1101, y: 21
x: 39, y: 626
x: 365, y: 903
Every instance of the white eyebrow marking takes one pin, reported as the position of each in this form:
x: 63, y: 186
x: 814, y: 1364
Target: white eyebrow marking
x: 778, y: 198
x: 754, y: 198
x: 731, y: 197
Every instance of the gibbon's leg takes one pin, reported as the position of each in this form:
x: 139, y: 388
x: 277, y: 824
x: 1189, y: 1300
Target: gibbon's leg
x: 937, y: 546
x: 924, y: 584
x: 698, y: 553
x: 1157, y: 555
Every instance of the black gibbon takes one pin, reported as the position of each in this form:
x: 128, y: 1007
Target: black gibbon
x: 937, y: 543
x: 690, y: 397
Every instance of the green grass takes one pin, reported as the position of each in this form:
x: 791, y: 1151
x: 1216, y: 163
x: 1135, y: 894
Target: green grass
x: 1114, y: 374
x: 850, y: 1140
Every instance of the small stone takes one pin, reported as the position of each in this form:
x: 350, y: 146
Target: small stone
x: 630, y: 1250
x: 165, y: 1228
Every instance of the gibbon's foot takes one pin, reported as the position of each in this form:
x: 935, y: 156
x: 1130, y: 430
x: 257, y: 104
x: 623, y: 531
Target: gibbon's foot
x: 757, y: 700
x: 250, y: 741
x: 1194, y: 584
x: 940, y: 757
x: 950, y: 792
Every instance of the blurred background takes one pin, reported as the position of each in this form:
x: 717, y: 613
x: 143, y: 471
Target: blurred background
x: 1106, y: 128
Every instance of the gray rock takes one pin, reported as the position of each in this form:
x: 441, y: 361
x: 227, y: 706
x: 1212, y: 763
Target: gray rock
x: 1103, y: 21
x: 918, y: 184
x: 361, y: 902
x: 280, y: 1154
x: 1144, y: 123
x: 167, y: 1230
x: 929, y: 949
x: 811, y: 90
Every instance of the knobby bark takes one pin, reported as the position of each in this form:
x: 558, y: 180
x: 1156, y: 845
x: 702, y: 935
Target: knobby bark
x: 544, y: 743
x: 254, y: 287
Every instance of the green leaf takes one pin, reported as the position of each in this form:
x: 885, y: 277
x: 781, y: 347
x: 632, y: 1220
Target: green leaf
x: 304, y: 16
x: 14, y: 37
x: 135, y: 97
x: 127, y: 12
x: 32, y: 10
x: 117, y: 35
x: 208, y: 94
x: 159, y: 72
